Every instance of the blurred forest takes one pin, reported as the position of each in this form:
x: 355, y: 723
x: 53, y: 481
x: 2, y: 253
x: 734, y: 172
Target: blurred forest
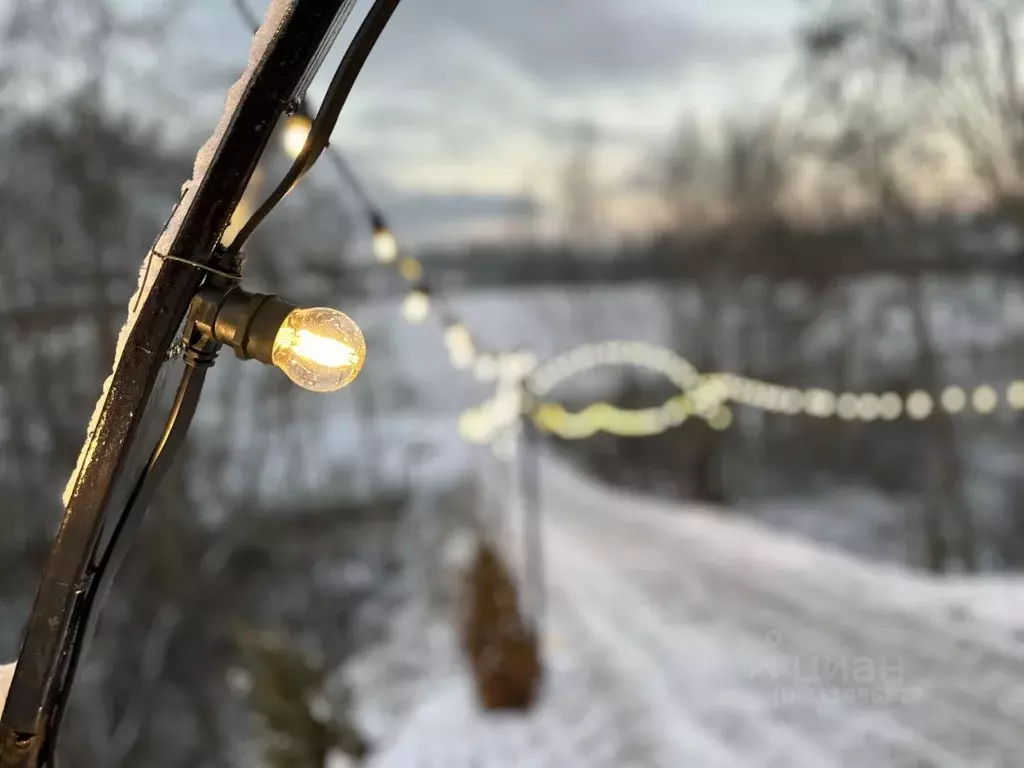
x: 864, y: 234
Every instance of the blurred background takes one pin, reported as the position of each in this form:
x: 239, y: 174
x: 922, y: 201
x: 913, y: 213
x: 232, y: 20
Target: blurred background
x: 818, y: 194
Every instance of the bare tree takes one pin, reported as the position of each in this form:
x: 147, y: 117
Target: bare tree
x: 903, y: 81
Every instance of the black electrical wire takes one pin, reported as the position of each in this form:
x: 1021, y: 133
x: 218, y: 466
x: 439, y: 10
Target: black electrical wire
x: 327, y: 116
x: 316, y: 143
x: 198, y: 358
x: 377, y: 220
x: 341, y: 165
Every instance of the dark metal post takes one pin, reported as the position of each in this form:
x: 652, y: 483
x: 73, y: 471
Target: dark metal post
x: 528, y: 457
x: 126, y: 428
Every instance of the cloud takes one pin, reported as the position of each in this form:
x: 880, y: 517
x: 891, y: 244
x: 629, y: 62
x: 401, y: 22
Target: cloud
x: 478, y: 95
x: 571, y: 44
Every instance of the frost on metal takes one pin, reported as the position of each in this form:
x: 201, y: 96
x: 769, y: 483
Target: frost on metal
x: 279, y: 10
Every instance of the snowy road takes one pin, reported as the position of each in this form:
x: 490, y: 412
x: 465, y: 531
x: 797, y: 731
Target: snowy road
x: 681, y: 637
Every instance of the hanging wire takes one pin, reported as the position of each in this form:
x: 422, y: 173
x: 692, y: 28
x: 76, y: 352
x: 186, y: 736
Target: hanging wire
x: 376, y: 219
x: 327, y: 116
x: 333, y: 155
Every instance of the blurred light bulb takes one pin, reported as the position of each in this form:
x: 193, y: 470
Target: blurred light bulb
x: 721, y: 419
x: 919, y: 405
x: 458, y: 335
x: 416, y: 306
x: 319, y: 349
x: 461, y: 358
x: 846, y: 406
x: 820, y: 403
x: 1015, y: 395
x: 296, y: 132
x: 890, y: 406
x: 475, y: 426
x: 868, y: 407
x: 792, y: 401
x: 385, y: 246
x: 460, y: 345
x: 954, y: 399
x: 985, y: 399
x: 410, y: 269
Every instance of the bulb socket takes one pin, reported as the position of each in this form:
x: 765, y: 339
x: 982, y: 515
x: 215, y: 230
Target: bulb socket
x: 246, y: 322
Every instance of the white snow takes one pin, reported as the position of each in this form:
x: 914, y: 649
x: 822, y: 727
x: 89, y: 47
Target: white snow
x: 680, y: 635
x: 6, y: 673
x: 276, y: 15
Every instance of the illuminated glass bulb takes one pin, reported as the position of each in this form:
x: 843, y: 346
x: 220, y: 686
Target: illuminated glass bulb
x: 416, y: 306
x: 296, y: 131
x: 890, y: 406
x: 792, y: 401
x: 319, y: 349
x: 820, y: 403
x: 985, y: 399
x: 385, y: 246
x: 954, y: 399
x: 721, y: 419
x: 460, y: 345
x: 1015, y: 395
x: 868, y: 407
x: 919, y: 405
x: 410, y: 269
x: 846, y: 406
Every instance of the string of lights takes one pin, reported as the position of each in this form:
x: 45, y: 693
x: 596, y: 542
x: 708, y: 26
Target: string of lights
x: 522, y: 383
x: 482, y: 423
x: 704, y: 396
x: 420, y: 299
x: 197, y: 288
x: 709, y: 397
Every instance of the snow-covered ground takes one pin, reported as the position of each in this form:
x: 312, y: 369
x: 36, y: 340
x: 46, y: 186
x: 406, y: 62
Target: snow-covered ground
x: 678, y: 635
x: 685, y: 636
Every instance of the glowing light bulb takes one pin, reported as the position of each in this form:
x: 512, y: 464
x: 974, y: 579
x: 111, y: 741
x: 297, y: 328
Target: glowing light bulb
x: 919, y: 405
x: 792, y: 401
x: 721, y: 419
x: 416, y: 306
x: 820, y: 403
x: 385, y: 246
x: 890, y: 406
x: 985, y: 399
x: 296, y: 131
x: 410, y: 269
x: 868, y: 407
x: 847, y: 406
x: 319, y: 349
x: 1015, y: 395
x: 954, y: 399
x: 460, y: 345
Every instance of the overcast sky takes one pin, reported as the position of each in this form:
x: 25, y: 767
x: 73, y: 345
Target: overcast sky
x: 467, y: 105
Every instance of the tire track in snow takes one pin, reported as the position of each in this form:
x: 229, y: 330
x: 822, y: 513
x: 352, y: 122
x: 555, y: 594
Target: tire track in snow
x: 767, y: 607
x: 632, y: 629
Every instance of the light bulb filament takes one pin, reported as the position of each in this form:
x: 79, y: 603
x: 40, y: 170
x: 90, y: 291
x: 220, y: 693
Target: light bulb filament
x: 321, y: 350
